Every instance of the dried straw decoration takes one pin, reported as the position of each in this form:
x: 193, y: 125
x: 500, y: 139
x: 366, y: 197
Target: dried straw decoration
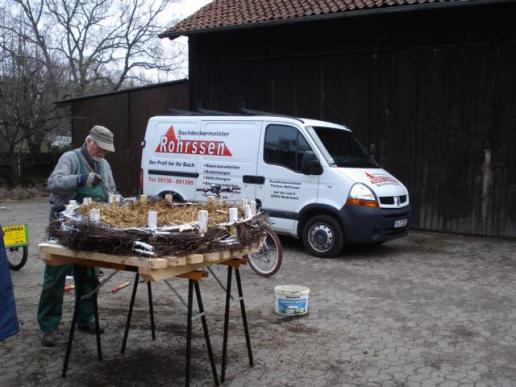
x: 131, y: 214
x: 123, y: 224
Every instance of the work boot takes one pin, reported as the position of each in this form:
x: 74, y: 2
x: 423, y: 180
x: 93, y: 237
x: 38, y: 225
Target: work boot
x: 90, y: 328
x: 48, y: 339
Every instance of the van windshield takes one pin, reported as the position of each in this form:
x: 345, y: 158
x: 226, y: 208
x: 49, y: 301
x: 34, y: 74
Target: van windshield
x: 343, y: 148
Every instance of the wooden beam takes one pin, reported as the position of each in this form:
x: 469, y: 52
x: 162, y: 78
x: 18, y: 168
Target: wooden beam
x: 235, y: 262
x: 194, y: 275
x: 56, y: 260
x: 194, y: 258
x: 151, y: 269
x: 176, y: 261
x: 150, y: 263
x: 212, y: 257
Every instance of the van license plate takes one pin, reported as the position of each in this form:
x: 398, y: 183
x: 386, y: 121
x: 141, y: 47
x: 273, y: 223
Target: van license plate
x: 400, y: 223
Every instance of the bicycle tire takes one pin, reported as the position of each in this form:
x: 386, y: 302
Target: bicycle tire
x: 14, y: 262
x: 268, y: 260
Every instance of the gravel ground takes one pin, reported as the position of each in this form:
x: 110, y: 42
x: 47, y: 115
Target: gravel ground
x: 426, y: 310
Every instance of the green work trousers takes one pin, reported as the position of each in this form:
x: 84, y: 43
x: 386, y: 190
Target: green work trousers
x: 51, y: 301
x: 50, y: 306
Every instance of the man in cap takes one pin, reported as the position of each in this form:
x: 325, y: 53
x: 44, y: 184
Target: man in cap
x: 80, y: 173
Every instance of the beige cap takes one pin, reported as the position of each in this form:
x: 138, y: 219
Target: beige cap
x: 103, y: 137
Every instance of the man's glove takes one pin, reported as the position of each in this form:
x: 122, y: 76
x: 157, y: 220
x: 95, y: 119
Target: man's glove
x: 90, y: 180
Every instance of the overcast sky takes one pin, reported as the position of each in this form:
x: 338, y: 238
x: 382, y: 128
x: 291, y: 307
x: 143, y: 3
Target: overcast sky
x: 177, y: 10
x: 183, y: 8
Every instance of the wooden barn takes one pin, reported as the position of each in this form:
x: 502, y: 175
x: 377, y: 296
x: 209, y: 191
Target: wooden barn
x: 430, y: 84
x: 126, y: 113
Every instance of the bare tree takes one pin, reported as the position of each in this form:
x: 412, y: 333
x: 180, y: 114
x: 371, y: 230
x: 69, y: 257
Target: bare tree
x: 27, y: 112
x: 51, y: 49
x: 101, y: 43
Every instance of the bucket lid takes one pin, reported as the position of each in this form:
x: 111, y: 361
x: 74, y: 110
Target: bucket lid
x: 292, y: 290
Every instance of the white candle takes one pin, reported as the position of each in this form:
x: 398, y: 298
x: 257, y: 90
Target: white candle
x: 233, y: 214
x: 153, y: 220
x: 86, y: 201
x: 69, y: 209
x: 95, y: 215
x: 203, y: 221
x: 168, y: 198
x: 253, y: 206
x: 247, y: 211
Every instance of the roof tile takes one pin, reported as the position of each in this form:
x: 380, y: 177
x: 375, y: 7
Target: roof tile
x: 227, y: 13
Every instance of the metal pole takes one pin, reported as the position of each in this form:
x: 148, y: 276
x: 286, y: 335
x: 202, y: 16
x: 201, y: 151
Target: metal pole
x: 189, y: 333
x: 78, y: 274
x: 244, y: 317
x: 206, y: 334
x: 151, y: 310
x: 97, y: 327
x: 226, y: 325
x: 130, y: 313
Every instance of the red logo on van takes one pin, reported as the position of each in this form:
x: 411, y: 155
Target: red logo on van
x: 169, y: 143
x: 381, y: 179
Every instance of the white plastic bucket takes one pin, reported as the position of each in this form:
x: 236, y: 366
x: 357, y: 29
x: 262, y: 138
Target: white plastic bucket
x: 291, y: 300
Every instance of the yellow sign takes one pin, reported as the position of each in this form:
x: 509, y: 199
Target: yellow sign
x: 16, y: 235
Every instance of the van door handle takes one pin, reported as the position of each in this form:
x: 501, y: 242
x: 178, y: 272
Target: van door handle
x: 251, y: 179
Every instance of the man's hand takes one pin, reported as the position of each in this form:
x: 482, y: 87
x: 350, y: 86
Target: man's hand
x: 90, y: 180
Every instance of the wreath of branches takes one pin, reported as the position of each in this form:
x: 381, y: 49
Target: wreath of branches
x: 122, y: 229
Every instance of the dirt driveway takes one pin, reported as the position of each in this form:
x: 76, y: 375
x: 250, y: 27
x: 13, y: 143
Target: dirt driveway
x: 430, y: 309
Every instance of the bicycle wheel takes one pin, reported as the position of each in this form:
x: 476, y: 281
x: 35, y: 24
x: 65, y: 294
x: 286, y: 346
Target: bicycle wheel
x: 17, y: 256
x: 267, y: 261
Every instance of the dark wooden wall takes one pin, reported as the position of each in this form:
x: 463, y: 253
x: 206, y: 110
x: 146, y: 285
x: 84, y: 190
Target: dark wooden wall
x: 435, y: 92
x: 126, y: 114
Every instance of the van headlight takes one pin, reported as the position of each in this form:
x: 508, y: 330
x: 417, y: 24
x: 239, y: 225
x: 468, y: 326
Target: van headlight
x: 361, y: 195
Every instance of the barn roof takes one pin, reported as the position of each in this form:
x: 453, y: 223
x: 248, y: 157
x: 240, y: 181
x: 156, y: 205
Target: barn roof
x: 235, y: 14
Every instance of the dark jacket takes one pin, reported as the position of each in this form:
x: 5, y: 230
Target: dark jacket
x: 8, y: 320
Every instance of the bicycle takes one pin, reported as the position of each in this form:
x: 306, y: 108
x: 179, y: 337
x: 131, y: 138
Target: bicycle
x: 16, y: 244
x: 267, y: 261
x: 217, y: 190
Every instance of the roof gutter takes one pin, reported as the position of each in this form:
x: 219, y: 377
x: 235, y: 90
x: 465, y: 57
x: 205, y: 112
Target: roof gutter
x: 337, y: 15
x: 121, y: 91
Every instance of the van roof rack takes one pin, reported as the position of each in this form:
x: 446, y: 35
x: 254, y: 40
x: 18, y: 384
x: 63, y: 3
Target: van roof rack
x: 252, y: 112
x: 214, y: 112
x: 243, y: 111
x: 181, y: 112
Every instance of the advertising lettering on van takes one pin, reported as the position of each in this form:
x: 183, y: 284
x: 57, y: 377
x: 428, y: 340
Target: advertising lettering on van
x: 169, y: 143
x: 381, y: 179
x: 285, y: 189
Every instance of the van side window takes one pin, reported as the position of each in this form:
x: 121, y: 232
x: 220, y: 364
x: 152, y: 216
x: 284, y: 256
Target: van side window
x: 284, y: 145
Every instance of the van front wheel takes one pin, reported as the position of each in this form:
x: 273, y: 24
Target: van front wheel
x: 323, y: 236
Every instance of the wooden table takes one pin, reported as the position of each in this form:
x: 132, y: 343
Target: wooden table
x: 151, y: 269
x: 156, y: 269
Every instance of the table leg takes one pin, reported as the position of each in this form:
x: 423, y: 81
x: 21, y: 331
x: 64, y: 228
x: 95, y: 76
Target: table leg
x: 130, y: 313
x: 189, y: 332
x: 97, y: 327
x: 151, y: 310
x: 206, y: 334
x: 78, y: 275
x: 244, y: 316
x: 226, y: 325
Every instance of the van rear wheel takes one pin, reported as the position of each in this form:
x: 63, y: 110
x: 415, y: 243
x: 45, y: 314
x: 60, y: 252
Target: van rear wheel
x: 323, y: 236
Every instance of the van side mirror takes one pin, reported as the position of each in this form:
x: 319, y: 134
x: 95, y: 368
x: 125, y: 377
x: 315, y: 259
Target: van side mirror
x: 310, y: 164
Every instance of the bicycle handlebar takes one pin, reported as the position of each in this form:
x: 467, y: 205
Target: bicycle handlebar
x: 217, y: 189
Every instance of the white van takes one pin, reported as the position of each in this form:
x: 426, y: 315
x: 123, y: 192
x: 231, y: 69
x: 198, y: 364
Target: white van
x: 313, y: 178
